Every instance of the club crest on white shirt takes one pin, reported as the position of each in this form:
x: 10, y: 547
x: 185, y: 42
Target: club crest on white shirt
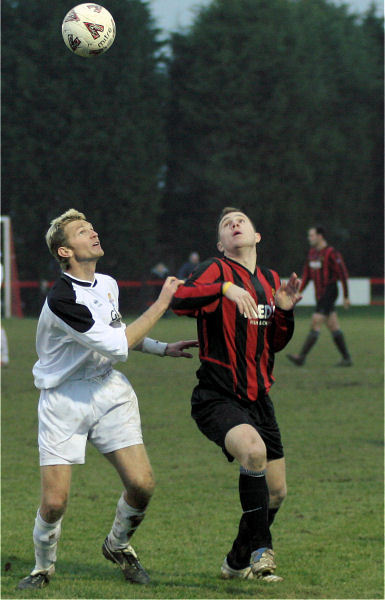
x: 116, y: 317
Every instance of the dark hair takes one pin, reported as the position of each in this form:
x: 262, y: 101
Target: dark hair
x: 320, y: 230
x: 229, y: 209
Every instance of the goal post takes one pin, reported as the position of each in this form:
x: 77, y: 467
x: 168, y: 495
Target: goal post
x: 6, y: 264
x: 10, y: 279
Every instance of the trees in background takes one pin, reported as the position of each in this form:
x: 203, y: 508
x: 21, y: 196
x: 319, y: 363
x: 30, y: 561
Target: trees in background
x: 271, y: 105
x: 82, y: 133
x: 276, y: 107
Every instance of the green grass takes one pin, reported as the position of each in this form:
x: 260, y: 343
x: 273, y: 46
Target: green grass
x: 328, y: 535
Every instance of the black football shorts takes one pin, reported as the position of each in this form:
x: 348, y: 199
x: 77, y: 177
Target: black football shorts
x: 215, y: 414
x: 326, y: 304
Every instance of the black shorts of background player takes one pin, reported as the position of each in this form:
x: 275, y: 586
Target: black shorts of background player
x: 325, y: 266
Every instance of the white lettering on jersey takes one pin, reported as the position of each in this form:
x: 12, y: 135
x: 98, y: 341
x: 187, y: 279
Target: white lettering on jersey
x: 264, y: 312
x: 315, y: 264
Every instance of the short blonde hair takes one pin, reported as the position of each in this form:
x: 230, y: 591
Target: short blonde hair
x: 55, y: 236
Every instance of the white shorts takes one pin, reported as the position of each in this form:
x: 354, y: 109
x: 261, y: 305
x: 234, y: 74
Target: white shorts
x: 103, y: 410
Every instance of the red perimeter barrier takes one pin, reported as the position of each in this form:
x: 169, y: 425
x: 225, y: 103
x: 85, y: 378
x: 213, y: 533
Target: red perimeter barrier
x: 376, y: 281
x: 135, y: 295
x: 125, y: 283
x: 39, y: 284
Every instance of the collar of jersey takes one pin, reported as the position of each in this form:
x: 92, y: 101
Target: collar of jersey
x: 239, y: 265
x: 79, y: 281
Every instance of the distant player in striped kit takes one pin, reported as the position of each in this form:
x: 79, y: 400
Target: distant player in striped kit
x: 325, y: 266
x: 244, y: 316
x: 80, y: 335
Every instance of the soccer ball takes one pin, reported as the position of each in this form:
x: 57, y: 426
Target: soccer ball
x: 88, y: 30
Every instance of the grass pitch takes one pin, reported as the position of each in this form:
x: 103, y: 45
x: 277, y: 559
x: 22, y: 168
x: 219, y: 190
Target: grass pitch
x: 328, y: 535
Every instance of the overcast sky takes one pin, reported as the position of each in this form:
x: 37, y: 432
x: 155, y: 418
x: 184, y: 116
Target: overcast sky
x: 174, y: 14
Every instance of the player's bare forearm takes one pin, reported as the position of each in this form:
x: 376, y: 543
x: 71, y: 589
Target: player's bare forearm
x: 138, y: 329
x: 288, y: 294
x: 174, y: 349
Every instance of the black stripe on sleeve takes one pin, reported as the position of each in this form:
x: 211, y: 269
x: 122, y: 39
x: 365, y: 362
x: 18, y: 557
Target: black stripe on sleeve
x: 62, y: 301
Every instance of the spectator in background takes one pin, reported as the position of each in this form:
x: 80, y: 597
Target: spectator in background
x: 187, y: 268
x: 159, y: 271
x: 325, y: 266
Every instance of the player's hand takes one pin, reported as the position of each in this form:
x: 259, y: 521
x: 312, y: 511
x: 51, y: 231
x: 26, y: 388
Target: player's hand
x: 177, y: 349
x: 169, y: 288
x: 244, y: 301
x: 288, y: 294
x: 346, y: 303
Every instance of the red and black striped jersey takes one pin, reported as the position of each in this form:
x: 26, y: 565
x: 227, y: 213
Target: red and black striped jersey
x: 324, y: 267
x: 237, y: 354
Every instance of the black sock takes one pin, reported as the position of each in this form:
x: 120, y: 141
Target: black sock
x: 254, y: 496
x: 253, y: 532
x: 339, y: 340
x: 309, y: 342
x: 239, y: 555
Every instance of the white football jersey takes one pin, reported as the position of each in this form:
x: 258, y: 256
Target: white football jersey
x: 79, y: 333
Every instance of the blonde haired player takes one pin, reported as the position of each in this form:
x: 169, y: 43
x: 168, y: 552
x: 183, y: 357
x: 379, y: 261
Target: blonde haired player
x: 80, y: 336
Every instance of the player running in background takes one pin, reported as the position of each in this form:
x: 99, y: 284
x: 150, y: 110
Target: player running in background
x: 244, y: 316
x: 79, y: 337
x: 324, y: 266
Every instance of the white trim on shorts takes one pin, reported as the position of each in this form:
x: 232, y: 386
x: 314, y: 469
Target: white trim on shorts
x: 103, y: 410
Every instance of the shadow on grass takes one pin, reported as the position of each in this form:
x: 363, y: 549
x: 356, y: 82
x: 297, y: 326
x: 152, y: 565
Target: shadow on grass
x: 72, y: 579
x: 14, y: 569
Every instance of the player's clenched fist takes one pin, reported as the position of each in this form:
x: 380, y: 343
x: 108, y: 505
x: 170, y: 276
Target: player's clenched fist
x: 169, y: 288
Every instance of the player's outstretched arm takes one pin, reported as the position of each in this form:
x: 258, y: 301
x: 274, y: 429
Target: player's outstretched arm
x: 288, y: 294
x: 177, y: 349
x: 139, y: 328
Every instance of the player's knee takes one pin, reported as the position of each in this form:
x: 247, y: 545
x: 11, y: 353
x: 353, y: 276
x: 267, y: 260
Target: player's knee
x: 333, y: 326
x: 141, y: 489
x: 255, y: 457
x: 53, y: 507
x: 317, y: 321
